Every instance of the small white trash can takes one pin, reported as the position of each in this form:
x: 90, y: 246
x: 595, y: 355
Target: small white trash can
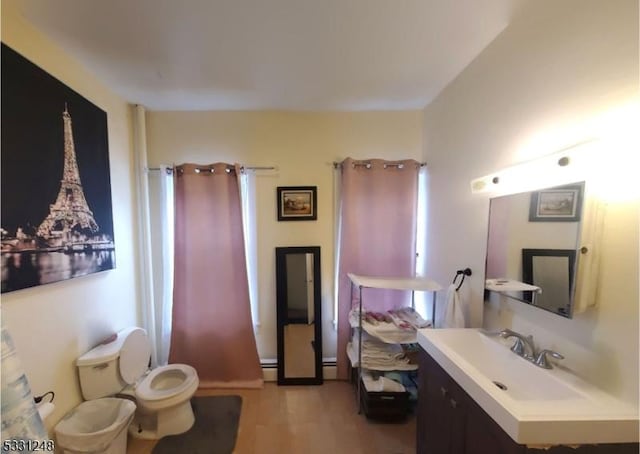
x: 96, y: 426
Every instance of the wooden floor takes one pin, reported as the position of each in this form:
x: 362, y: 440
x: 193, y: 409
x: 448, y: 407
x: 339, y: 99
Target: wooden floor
x: 307, y: 419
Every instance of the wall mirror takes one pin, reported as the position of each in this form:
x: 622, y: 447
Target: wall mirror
x: 534, y: 239
x: 299, y: 315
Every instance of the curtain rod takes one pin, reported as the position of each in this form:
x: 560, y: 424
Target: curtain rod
x: 170, y: 169
x: 365, y: 163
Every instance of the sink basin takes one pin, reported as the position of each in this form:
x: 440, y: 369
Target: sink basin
x: 522, y: 381
x: 533, y: 405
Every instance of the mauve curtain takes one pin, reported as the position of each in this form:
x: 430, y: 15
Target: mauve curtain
x: 212, y: 329
x: 377, y: 235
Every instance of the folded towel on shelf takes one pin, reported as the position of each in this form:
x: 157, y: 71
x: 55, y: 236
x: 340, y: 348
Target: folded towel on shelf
x: 387, y: 331
x: 375, y: 350
x: 378, y: 363
x: 412, y: 317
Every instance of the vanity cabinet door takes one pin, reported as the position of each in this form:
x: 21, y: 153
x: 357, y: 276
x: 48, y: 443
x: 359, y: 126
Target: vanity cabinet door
x: 422, y: 413
x: 484, y: 435
x: 450, y: 422
x: 441, y: 410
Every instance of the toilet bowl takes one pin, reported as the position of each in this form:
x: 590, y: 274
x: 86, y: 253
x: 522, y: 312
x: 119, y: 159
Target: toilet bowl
x: 96, y: 426
x: 163, y: 395
x: 166, y: 393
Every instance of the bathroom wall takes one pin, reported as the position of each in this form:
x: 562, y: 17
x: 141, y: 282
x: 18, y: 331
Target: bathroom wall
x: 53, y: 324
x: 562, y: 72
x: 303, y: 147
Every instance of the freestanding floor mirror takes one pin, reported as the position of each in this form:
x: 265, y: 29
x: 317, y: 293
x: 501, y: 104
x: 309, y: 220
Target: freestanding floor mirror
x: 299, y: 315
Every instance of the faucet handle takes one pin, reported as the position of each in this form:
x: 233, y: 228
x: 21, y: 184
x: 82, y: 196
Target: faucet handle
x: 518, y: 347
x: 541, y: 359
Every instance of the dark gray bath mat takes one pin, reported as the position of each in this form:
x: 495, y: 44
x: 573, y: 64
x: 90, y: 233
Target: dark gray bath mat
x: 214, y: 431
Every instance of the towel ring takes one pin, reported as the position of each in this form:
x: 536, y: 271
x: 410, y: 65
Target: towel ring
x: 465, y: 272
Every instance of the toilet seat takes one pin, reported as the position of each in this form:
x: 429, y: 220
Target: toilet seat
x: 167, y: 381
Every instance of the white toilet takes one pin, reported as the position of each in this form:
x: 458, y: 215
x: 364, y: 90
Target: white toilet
x: 163, y: 395
x: 96, y: 426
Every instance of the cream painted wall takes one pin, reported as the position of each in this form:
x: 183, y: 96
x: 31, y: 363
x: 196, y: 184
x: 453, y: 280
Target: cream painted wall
x: 562, y: 72
x: 54, y: 324
x: 303, y: 147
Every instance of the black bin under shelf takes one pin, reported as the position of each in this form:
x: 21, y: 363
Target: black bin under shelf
x: 384, y: 406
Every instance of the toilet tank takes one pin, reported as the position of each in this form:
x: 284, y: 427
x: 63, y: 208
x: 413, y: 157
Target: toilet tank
x: 108, y: 368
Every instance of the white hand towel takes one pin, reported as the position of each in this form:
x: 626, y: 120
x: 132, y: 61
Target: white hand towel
x: 453, y: 315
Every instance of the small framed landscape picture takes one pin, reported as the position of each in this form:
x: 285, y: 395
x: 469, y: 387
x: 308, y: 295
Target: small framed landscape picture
x: 297, y: 203
x: 559, y: 204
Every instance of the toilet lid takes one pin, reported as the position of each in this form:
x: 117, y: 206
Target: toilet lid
x: 134, y: 355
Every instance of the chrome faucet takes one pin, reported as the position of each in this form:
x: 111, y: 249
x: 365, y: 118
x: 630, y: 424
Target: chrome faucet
x: 519, y: 347
x: 523, y: 343
x: 541, y: 359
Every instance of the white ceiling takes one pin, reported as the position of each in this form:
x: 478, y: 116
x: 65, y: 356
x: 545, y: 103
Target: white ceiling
x: 273, y: 54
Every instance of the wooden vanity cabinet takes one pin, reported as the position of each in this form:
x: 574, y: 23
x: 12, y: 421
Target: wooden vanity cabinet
x: 441, y: 415
x: 449, y: 421
x: 484, y: 435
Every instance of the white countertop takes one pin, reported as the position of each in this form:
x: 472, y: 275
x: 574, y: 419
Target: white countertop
x: 539, y: 406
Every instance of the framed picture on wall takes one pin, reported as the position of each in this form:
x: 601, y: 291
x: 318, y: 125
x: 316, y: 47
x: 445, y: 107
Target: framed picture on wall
x: 559, y: 204
x: 297, y: 203
x: 57, y: 219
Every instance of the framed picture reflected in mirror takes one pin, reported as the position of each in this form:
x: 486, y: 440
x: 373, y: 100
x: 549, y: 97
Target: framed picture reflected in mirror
x: 559, y: 204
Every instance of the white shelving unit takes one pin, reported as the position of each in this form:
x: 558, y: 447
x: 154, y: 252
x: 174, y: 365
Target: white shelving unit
x: 400, y: 336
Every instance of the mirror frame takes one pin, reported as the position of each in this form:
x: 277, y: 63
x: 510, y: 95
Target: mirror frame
x: 281, y: 312
x: 528, y: 275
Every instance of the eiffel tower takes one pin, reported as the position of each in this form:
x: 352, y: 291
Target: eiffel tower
x: 70, y: 211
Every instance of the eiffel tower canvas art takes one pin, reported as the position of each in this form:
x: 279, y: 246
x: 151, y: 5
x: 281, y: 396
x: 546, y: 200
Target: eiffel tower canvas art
x: 56, y: 221
x: 70, y: 210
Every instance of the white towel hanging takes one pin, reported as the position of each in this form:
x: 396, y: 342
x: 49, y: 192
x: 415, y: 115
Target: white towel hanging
x: 453, y: 315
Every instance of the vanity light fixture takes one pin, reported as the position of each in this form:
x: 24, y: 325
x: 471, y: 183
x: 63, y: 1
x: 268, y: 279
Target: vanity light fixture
x: 562, y: 167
